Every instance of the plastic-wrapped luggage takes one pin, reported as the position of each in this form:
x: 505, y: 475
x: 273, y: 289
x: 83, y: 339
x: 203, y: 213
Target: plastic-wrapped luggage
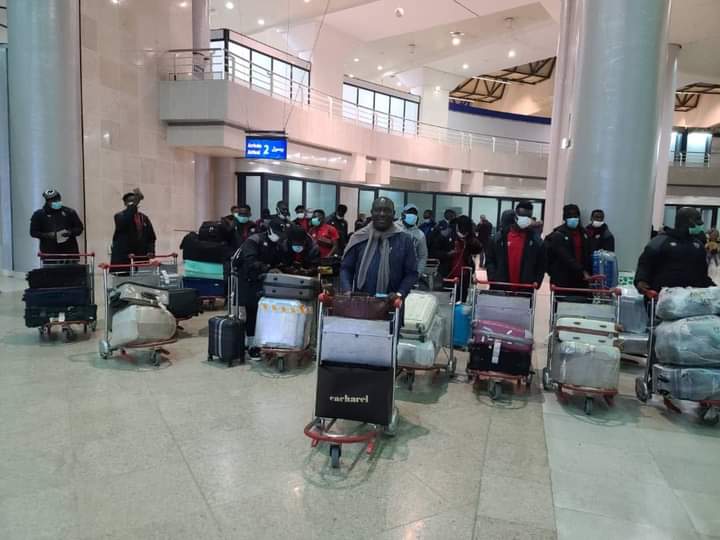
x: 290, y: 286
x: 58, y: 275
x: 57, y: 297
x: 135, y: 325
x: 584, y: 364
x: 695, y: 384
x: 205, y: 270
x: 420, y: 312
x: 681, y: 302
x: 633, y: 312
x: 505, y: 308
x: 596, y: 332
x: 356, y: 341
x: 182, y: 303
x: 283, y: 323
x: 605, y: 263
x: 422, y: 352
x: 694, y: 341
x: 511, y: 337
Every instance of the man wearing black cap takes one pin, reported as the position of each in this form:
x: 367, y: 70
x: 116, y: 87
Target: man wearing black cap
x: 134, y: 233
x: 56, y: 226
x: 568, y: 251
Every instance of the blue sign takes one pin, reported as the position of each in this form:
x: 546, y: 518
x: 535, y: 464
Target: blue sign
x: 265, y: 148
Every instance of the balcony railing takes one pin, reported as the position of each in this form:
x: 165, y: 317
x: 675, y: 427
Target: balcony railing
x: 221, y: 64
x: 693, y: 159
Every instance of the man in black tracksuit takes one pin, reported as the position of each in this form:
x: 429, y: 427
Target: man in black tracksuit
x: 569, y: 258
x: 516, y: 253
x: 56, y: 226
x: 599, y: 234
x: 134, y: 233
x: 676, y: 258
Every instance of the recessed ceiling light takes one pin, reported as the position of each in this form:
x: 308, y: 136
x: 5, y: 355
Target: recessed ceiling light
x: 356, y: 59
x: 183, y: 4
x: 465, y: 66
x: 456, y: 41
x: 351, y: 75
x: 307, y: 1
x: 456, y: 38
x: 229, y: 5
x: 399, y: 83
x: 261, y: 22
x: 437, y: 88
x: 399, y: 12
x: 115, y: 1
x: 512, y: 53
x: 380, y: 68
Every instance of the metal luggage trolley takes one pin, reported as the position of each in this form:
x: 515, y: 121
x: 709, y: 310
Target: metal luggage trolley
x: 594, y: 303
x: 708, y: 409
x: 446, y: 303
x: 321, y: 429
x: 165, y: 274
x: 48, y: 259
x: 110, y: 281
x: 515, y: 305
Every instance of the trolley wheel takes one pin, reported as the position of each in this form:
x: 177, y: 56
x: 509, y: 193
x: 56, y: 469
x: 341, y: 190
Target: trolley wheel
x: 709, y: 415
x: 281, y: 365
x: 104, y: 349
x: 529, y: 379
x: 410, y: 380
x: 641, y: 389
x: 155, y: 358
x: 452, y: 367
x: 43, y: 332
x: 210, y: 358
x: 93, y: 326
x: 85, y: 328
x: 68, y: 333
x: 391, y: 429
x: 588, y: 405
x: 494, y: 390
x: 547, y: 384
x: 335, y: 456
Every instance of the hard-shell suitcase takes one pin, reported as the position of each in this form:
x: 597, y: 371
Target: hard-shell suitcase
x: 422, y: 352
x: 283, y: 323
x: 182, y: 303
x: 356, y: 341
x: 226, y: 339
x: 58, y: 275
x: 289, y: 286
x: 584, y: 364
x: 57, y: 297
x: 633, y: 312
x: 213, y: 288
x: 513, y: 338
x: 135, y: 325
x: 636, y: 344
x: 502, y: 307
x: 694, y: 384
x: 211, y: 231
x: 206, y: 270
x: 38, y: 316
x: 494, y: 356
x: 353, y: 392
x: 605, y: 263
x: 461, y: 325
x: 420, y: 311
x: 596, y: 332
x: 200, y: 250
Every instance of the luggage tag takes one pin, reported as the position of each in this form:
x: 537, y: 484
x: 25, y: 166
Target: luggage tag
x: 497, y: 344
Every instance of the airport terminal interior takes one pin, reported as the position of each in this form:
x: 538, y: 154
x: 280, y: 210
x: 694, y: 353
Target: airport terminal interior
x: 359, y: 269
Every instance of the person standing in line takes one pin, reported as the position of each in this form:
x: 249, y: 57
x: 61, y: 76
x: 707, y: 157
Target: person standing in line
x: 428, y: 224
x: 282, y: 212
x: 568, y: 252
x: 409, y: 218
x: 599, y: 234
x: 338, y: 221
x: 325, y: 235
x: 243, y: 226
x: 301, y: 255
x: 56, y: 226
x: 134, y: 233
x: 301, y: 219
x: 262, y: 223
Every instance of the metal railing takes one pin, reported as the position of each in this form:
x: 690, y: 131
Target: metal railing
x: 221, y: 64
x: 693, y: 159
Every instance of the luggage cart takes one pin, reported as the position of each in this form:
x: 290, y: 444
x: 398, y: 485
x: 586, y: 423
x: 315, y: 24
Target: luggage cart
x: 511, y: 303
x: 321, y: 429
x: 105, y: 349
x: 66, y: 326
x: 594, y: 303
x: 167, y: 267
x: 708, y: 409
x: 446, y: 301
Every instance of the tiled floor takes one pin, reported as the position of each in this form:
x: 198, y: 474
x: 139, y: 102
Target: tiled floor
x: 106, y: 449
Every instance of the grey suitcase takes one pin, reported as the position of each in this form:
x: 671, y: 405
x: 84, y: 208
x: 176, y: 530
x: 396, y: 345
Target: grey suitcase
x: 356, y: 341
x: 633, y: 313
x: 420, y: 312
x: 142, y: 324
x: 290, y: 287
x: 583, y: 364
x: 515, y: 310
x: 694, y: 384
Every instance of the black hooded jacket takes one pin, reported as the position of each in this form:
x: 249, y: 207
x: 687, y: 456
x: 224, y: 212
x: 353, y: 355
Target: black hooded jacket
x: 600, y: 238
x: 562, y: 266
x: 46, y: 222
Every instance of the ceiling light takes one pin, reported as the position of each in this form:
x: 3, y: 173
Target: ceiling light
x: 399, y: 83
x: 399, y: 12
x: 183, y: 4
x: 307, y: 1
x: 356, y: 59
x: 456, y: 37
x: 465, y: 66
x: 437, y: 88
x: 351, y: 75
x: 261, y: 22
x: 456, y: 41
x: 115, y: 1
x: 380, y: 68
x: 512, y: 53
x: 229, y: 5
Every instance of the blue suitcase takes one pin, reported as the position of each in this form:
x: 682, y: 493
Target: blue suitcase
x: 461, y: 325
x: 213, y: 288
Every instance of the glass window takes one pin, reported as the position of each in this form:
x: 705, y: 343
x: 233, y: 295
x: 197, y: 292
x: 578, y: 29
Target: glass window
x: 459, y: 203
x: 300, y: 83
x: 238, y: 62
x: 261, y: 70
x: 365, y: 102
x: 538, y: 209
x: 281, y: 78
x: 218, y: 59
x: 382, y: 108
x: 397, y: 197
x: 320, y: 196
x: 423, y: 201
x: 669, y: 217
x: 252, y: 194
x: 697, y: 143
x: 397, y: 113
x: 274, y: 193
x: 505, y: 204
x: 294, y: 194
x: 487, y: 206
x: 411, y: 116
x: 367, y: 196
x: 350, y: 96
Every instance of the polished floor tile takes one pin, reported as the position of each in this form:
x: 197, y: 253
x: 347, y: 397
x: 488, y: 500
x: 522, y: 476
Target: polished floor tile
x: 572, y: 524
x: 516, y: 500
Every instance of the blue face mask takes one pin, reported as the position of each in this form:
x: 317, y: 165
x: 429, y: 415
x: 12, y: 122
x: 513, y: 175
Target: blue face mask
x: 56, y: 205
x: 297, y: 249
x: 572, y: 222
x: 315, y: 221
x: 241, y: 219
x: 410, y: 219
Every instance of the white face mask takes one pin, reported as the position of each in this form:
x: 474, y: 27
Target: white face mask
x: 598, y: 224
x: 523, y: 222
x: 273, y: 237
x: 301, y: 215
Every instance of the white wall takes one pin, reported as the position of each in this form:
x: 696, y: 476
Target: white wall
x: 498, y: 126
x: 706, y: 114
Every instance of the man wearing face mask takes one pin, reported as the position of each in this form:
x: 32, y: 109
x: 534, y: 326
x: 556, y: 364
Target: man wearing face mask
x: 428, y: 223
x: 261, y: 253
x: 56, y: 226
x: 568, y: 252
x: 380, y: 257
x: 338, y: 221
x: 301, y: 254
x: 599, y: 234
x: 301, y: 219
x: 134, y: 232
x: 516, y: 253
x: 242, y: 226
x: 677, y: 257
x: 325, y: 235
x: 282, y: 212
x: 408, y: 221
x: 448, y: 221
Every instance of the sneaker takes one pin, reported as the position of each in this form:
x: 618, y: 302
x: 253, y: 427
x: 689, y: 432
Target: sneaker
x: 254, y: 353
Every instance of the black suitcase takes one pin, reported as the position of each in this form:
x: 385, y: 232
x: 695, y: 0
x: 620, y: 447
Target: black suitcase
x: 200, y: 250
x: 211, y: 231
x: 509, y: 362
x: 184, y: 303
x: 352, y: 392
x: 226, y: 334
x: 59, y: 275
x: 38, y: 316
x: 290, y: 287
x: 57, y: 297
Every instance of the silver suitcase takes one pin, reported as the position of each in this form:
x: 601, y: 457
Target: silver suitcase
x: 420, y: 312
x: 584, y: 364
x: 356, y: 341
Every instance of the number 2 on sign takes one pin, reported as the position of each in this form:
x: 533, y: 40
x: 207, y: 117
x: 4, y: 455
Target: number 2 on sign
x: 266, y: 149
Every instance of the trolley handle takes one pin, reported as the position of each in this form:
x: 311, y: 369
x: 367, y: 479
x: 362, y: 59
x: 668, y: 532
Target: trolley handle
x: 506, y: 284
x: 615, y: 292
x: 164, y: 256
x: 650, y: 294
x: 324, y: 297
x: 54, y: 255
x: 106, y: 266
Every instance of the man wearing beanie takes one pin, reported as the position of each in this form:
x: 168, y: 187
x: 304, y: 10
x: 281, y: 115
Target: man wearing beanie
x: 568, y: 251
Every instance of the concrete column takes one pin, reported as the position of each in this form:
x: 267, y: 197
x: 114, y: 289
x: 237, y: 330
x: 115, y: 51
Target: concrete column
x: 454, y: 181
x: 667, y: 113
x: 6, y: 239
x: 477, y: 182
x: 614, y: 143
x: 382, y: 171
x: 356, y: 168
x: 45, y: 113
x: 224, y: 182
x: 204, y: 202
x: 434, y: 110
